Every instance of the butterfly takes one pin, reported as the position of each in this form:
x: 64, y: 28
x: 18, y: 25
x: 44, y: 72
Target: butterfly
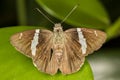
x: 58, y: 50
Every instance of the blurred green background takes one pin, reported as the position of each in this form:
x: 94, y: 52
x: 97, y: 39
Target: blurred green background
x: 99, y: 14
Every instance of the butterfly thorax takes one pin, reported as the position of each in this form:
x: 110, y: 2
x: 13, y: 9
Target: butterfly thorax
x: 58, y: 41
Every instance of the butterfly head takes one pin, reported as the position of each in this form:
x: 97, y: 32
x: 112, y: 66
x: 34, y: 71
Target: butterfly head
x: 58, y: 28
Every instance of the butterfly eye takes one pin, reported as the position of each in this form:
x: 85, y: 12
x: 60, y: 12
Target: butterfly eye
x: 57, y: 29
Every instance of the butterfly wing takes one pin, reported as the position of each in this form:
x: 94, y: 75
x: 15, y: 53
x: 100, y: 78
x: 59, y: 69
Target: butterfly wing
x: 45, y: 59
x: 72, y: 59
x: 89, y: 40
x: 76, y: 50
x: 22, y: 42
x: 37, y: 44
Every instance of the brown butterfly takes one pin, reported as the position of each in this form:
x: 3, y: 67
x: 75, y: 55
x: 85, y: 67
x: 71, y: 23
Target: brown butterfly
x: 58, y: 50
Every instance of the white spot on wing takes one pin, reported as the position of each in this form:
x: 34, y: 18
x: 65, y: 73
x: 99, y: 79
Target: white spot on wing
x: 20, y: 36
x: 35, y: 42
x: 95, y: 33
x: 82, y: 41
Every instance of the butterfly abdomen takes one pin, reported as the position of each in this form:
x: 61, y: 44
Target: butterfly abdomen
x: 58, y: 47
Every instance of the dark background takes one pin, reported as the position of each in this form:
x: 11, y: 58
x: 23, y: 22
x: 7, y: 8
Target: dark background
x: 8, y: 16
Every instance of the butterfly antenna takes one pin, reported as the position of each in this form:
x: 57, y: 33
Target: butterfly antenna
x: 45, y: 15
x: 73, y: 9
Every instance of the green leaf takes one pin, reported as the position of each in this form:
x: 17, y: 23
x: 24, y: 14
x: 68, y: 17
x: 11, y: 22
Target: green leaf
x: 114, y: 30
x: 15, y: 66
x: 90, y: 13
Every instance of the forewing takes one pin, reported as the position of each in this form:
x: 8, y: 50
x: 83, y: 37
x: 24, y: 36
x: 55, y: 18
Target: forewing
x: 23, y: 41
x: 91, y: 39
